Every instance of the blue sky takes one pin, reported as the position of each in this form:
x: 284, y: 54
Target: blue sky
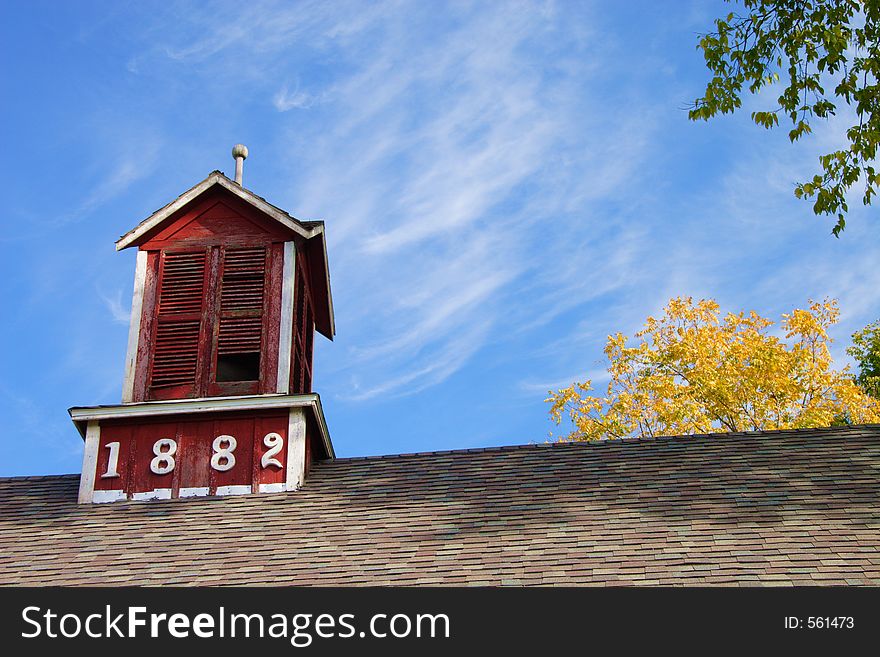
x: 504, y: 184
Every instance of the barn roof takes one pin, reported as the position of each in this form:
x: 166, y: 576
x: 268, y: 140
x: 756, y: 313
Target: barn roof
x: 311, y: 231
x: 789, y: 507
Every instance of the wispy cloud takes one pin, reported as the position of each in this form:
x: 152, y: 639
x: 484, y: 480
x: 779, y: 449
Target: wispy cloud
x: 113, y: 304
x: 597, y: 377
x: 456, y: 162
x: 434, y: 370
x: 450, y: 154
x: 138, y: 161
x: 286, y: 100
x: 469, y: 183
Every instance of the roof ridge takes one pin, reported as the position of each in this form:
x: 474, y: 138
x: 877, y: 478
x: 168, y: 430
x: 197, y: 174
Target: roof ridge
x: 852, y: 428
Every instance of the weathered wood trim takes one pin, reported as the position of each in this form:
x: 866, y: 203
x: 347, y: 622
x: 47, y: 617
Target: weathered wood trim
x: 210, y: 320
x: 203, y: 405
x: 215, y: 178
x: 146, y: 327
x: 272, y: 319
x: 319, y: 232
x: 296, y: 449
x: 285, y: 337
x: 155, y: 494
x: 233, y: 490
x: 134, y: 327
x: 90, y: 462
x: 197, y: 491
x: 104, y: 496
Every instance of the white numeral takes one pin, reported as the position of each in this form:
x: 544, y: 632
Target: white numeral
x: 164, y: 461
x: 275, y: 443
x: 224, y: 453
x: 112, y: 461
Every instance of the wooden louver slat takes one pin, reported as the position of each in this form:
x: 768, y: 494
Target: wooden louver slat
x: 239, y: 336
x: 177, y: 344
x: 241, y: 301
x: 181, y: 295
x: 183, y: 279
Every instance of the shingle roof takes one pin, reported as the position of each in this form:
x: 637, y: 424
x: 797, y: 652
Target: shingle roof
x: 790, y: 507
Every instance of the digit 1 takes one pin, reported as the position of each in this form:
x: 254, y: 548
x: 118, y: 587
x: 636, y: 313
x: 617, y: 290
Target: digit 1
x: 112, y: 461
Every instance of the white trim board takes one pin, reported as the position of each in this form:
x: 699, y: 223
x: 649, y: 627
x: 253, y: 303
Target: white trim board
x: 233, y: 490
x: 296, y: 449
x: 134, y: 328
x: 155, y: 494
x: 90, y: 461
x: 285, y: 336
x: 104, y: 496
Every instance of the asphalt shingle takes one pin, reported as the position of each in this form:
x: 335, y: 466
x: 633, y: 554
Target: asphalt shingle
x: 761, y: 508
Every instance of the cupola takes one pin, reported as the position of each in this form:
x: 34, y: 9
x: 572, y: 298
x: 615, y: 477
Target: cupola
x: 217, y: 398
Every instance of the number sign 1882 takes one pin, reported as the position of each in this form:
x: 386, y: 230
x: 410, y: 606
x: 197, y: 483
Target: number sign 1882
x: 222, y: 459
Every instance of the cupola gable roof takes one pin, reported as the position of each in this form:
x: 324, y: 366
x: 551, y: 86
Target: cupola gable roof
x: 218, y: 201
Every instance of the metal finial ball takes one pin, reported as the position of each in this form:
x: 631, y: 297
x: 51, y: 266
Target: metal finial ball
x: 240, y: 150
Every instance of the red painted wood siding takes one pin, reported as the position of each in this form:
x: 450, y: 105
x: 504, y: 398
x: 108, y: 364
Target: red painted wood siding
x: 213, y: 291
x: 217, y: 217
x: 194, y: 438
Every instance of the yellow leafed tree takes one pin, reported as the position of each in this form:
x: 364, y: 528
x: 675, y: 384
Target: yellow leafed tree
x: 694, y: 371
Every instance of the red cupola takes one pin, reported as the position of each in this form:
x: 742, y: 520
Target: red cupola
x: 229, y: 291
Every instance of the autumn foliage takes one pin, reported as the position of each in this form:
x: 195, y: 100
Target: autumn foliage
x: 695, y: 371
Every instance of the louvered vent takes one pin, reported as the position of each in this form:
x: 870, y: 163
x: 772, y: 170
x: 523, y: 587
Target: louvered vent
x: 180, y: 305
x: 240, y: 333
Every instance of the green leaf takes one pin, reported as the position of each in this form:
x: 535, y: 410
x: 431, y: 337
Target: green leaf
x: 805, y: 46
